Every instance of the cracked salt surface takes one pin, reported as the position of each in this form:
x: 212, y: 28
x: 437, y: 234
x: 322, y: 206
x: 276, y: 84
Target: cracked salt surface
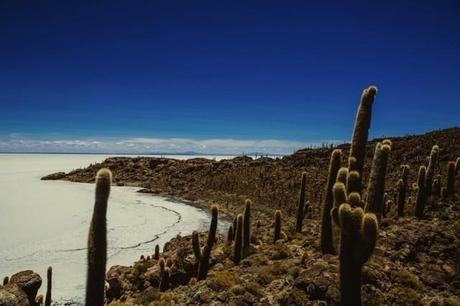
x: 45, y: 223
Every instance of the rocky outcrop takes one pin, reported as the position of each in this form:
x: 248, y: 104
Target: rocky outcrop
x: 21, y: 289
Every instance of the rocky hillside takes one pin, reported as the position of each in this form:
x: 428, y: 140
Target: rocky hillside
x: 415, y: 262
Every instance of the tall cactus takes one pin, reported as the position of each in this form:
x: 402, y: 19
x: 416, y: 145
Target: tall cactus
x: 450, y: 188
x: 97, y: 242
x: 430, y: 170
x: 301, y: 204
x: 376, y: 186
x: 196, y: 245
x: 353, y: 182
x: 457, y: 166
x: 157, y: 252
x: 277, y: 228
x: 204, y: 260
x: 342, y: 175
x: 402, y: 189
x: 327, y: 246
x: 361, y: 129
x: 237, y: 250
x: 421, y: 193
x: 230, y: 234
x: 49, y: 283
x: 165, y: 279
x: 246, y: 227
x: 6, y: 280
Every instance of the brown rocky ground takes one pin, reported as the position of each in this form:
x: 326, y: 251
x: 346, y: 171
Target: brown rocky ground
x: 416, y: 262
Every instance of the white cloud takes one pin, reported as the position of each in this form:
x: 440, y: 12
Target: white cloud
x: 153, y: 145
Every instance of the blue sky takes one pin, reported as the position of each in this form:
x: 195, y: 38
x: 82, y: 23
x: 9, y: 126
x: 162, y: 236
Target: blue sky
x: 221, y: 76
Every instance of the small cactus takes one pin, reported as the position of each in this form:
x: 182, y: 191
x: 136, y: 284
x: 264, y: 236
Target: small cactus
x: 6, y: 280
x: 436, y: 188
x: 246, y: 227
x: 376, y: 185
x: 353, y: 182
x: 402, y: 189
x: 237, y: 249
x: 162, y: 265
x: 421, y: 193
x: 430, y: 170
x: 97, y: 242
x: 157, y: 252
x: 361, y: 129
x: 49, y: 281
x: 450, y: 188
x: 230, y: 234
x: 327, y: 246
x: 277, y: 229
x: 301, y: 204
x: 165, y: 279
x: 196, y: 245
x: 204, y: 259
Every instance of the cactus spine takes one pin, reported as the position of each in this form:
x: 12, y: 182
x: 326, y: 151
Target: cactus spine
x: 204, y: 259
x: 238, y: 239
x: 450, y: 188
x: 301, y: 205
x: 49, y: 281
x: 327, y: 246
x: 97, y: 242
x: 421, y: 193
x: 402, y: 189
x: 246, y: 227
x: 376, y: 186
x: 361, y: 129
x: 430, y: 170
x: 277, y: 230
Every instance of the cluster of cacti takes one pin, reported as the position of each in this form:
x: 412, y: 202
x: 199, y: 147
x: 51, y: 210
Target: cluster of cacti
x: 203, y: 266
x: 402, y: 189
x: 164, y: 275
x: 301, y: 205
x: 97, y: 242
x: 49, y: 282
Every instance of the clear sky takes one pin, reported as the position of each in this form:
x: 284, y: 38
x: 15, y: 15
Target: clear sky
x: 221, y: 76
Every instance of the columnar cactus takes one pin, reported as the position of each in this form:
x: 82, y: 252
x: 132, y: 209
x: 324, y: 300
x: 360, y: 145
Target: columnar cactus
x: 450, y: 188
x: 421, y: 193
x: 436, y: 188
x: 358, y: 234
x: 237, y: 250
x: 327, y: 246
x: 376, y: 185
x: 196, y: 245
x: 157, y: 252
x: 361, y: 129
x: 402, y: 189
x: 277, y: 229
x: 301, y: 204
x: 49, y: 281
x: 165, y: 279
x: 204, y: 259
x: 457, y: 166
x: 430, y: 170
x: 6, y: 280
x: 97, y: 242
x: 246, y: 227
x: 230, y: 234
